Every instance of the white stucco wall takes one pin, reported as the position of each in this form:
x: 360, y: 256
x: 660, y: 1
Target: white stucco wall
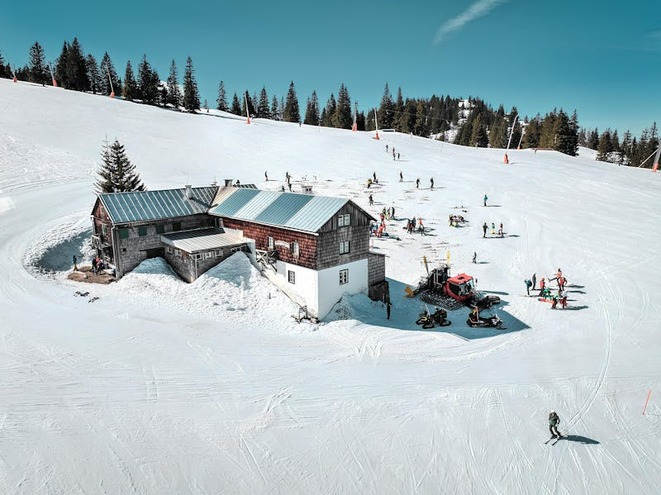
x: 330, y: 290
x: 304, y: 290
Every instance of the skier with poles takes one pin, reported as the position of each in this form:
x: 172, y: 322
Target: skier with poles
x: 554, y: 421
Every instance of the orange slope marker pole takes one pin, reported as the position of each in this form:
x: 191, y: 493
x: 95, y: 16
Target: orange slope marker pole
x: 52, y: 76
x: 656, y: 160
x: 245, y: 98
x: 376, y: 123
x: 648, y: 399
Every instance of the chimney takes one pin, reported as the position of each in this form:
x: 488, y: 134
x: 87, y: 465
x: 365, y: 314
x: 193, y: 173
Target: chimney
x: 228, y: 182
x: 188, y: 191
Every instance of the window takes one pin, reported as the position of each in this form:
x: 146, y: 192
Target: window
x: 208, y: 255
x: 104, y: 229
x: 344, y: 276
x: 176, y: 226
x: 271, y: 243
x: 344, y: 247
x: 123, y: 233
x: 344, y: 220
x: 168, y: 250
x: 177, y: 252
x: 196, y: 256
x: 295, y: 249
x: 142, y: 231
x: 160, y: 229
x: 291, y: 276
x: 219, y: 253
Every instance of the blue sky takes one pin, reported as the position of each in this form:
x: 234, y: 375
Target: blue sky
x: 602, y: 58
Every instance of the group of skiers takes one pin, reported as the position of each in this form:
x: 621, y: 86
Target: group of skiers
x: 395, y: 155
x: 545, y: 292
x: 485, y: 228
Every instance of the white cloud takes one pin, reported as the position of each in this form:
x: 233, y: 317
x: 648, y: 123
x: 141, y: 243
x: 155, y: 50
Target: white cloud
x: 478, y: 9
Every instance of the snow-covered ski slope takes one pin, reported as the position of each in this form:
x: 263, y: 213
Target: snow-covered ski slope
x: 163, y: 387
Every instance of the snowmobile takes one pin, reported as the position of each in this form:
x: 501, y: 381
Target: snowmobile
x: 484, y: 302
x: 485, y: 322
x: 438, y: 317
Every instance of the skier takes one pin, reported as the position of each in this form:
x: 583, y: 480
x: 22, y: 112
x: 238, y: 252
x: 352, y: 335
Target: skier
x: 474, y: 256
x: 392, y: 212
x: 484, y: 229
x: 398, y: 155
x: 266, y: 176
x: 528, y: 285
x: 417, y: 183
x: 401, y: 176
x: 562, y: 298
x: 500, y: 230
x: 485, y: 199
x: 421, y: 227
x: 431, y: 182
x: 534, y: 280
x: 386, y: 148
x: 374, y: 175
x: 554, y: 421
x: 75, y: 263
x: 388, y: 307
x: 371, y: 200
x: 493, y: 228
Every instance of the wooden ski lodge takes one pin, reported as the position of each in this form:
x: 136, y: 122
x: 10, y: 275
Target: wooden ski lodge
x: 314, y: 248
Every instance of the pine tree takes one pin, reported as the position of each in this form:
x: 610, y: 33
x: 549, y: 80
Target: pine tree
x: 117, y: 173
x: 236, y: 106
x: 263, y: 110
x: 247, y: 99
x: 191, y: 99
x: 342, y: 118
x: 222, y: 98
x: 108, y: 75
x: 386, y: 113
x: 174, y: 93
x: 531, y: 136
x: 329, y: 111
x: 276, y: 109
x: 399, y: 110
x: 566, y: 135
x: 605, y: 146
x: 76, y: 67
x: 478, y: 137
x: 147, y: 83
x: 38, y: 68
x: 4, y: 69
x: 93, y: 74
x: 498, y: 134
x: 312, y: 110
x: 291, y: 112
x: 130, y: 90
x: 61, y: 66
x: 593, y: 139
x: 421, y: 127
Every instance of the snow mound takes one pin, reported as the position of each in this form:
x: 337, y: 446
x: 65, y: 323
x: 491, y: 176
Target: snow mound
x: 154, y: 266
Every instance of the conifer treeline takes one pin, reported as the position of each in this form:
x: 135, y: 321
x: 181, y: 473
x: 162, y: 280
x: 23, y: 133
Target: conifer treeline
x: 473, y: 121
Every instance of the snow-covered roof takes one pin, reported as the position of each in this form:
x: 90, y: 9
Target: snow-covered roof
x: 143, y: 206
x: 193, y: 241
x: 282, y: 209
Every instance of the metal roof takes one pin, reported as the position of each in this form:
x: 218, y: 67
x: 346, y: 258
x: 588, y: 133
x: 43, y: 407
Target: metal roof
x: 282, y: 209
x: 143, y: 206
x: 193, y: 241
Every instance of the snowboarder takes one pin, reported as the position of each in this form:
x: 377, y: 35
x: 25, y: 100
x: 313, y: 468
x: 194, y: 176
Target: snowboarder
x: 554, y: 421
x: 484, y: 229
x: 528, y: 285
x: 485, y: 199
x: 431, y: 182
x: 371, y: 200
x: 75, y: 263
x: 474, y: 256
x: 417, y: 183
